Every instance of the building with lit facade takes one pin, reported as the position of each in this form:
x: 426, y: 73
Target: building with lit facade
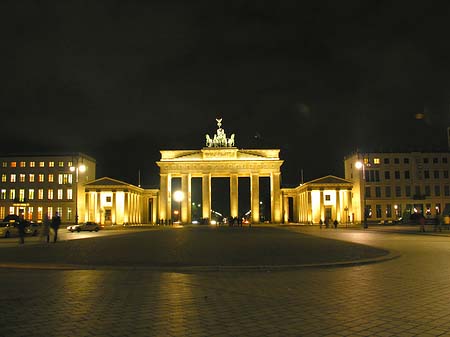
x: 398, y: 184
x: 36, y: 185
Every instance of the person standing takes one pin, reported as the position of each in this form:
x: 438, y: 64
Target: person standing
x: 21, y: 228
x: 46, y: 228
x: 56, y: 222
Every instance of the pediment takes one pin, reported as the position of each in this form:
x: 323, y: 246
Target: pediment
x: 329, y: 180
x: 106, y: 181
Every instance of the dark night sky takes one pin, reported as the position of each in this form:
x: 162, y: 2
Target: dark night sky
x: 121, y: 80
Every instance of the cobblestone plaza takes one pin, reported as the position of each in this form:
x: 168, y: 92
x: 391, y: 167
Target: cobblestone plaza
x: 404, y: 296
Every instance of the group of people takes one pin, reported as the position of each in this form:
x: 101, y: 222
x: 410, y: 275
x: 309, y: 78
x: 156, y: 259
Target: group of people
x: 327, y: 223
x: 48, y: 223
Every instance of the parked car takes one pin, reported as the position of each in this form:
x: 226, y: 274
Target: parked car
x: 32, y: 228
x: 9, y: 229
x: 85, y: 226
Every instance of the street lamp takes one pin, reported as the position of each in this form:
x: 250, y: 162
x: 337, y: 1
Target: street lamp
x: 361, y: 166
x: 80, y: 168
x: 178, y: 196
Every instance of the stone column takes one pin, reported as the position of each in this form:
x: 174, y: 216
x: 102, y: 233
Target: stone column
x: 186, y: 203
x: 113, y: 208
x: 98, y: 213
x: 338, y: 205
x: 87, y: 213
x: 154, y: 210
x: 349, y: 205
x: 234, y: 201
x: 275, y: 197
x: 165, y: 199
x: 309, y: 206
x: 206, y: 196
x: 322, y: 207
x: 254, y: 192
x: 126, y: 209
x: 286, y: 208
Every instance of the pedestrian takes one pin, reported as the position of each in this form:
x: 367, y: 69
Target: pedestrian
x: 56, y: 222
x: 21, y: 227
x: 320, y: 223
x: 335, y: 223
x: 327, y: 223
x: 46, y: 228
x: 422, y: 223
x: 437, y: 224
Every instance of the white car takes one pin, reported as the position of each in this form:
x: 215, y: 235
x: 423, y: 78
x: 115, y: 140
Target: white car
x: 85, y: 226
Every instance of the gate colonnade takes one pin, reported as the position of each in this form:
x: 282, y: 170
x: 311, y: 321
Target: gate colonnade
x: 211, y: 162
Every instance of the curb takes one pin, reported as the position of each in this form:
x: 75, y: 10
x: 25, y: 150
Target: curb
x: 178, y: 269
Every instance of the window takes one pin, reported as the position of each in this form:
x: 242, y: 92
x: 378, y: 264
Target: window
x: 405, y: 160
x: 445, y: 174
x: 436, y: 174
x: 396, y: 161
x: 368, y: 194
x: 41, y: 164
x: 31, y: 194
x: 389, y: 211
x: 40, y: 213
x: 397, y: 174
x: 69, y: 164
x: 376, y: 161
x: 32, y: 164
x: 447, y: 190
x: 60, y: 194
x: 65, y: 178
x: 70, y: 178
x: 69, y: 194
x: 13, y: 178
x: 406, y: 174
x: 398, y: 191
x: 23, y: 164
x: 60, y: 179
x: 427, y: 190
x: 51, y: 164
x: 50, y: 178
x: 386, y: 160
x: 435, y: 160
x: 417, y: 190
x: 50, y: 194
x: 22, y: 177
x: 378, y: 210
x: 12, y: 194
x: 21, y: 195
x: 378, y: 192
x: 388, y: 191
x: 444, y: 160
x: 387, y: 175
x: 31, y: 177
x: 59, y: 211
x: 40, y: 194
x: 426, y: 174
x: 3, y: 194
x: 437, y: 190
x: 3, y: 178
x: 50, y: 212
x: 327, y: 197
x: 425, y: 160
x: 407, y: 191
x: 13, y: 164
x: 60, y: 164
x: 69, y: 214
x: 4, y: 164
x: 41, y: 177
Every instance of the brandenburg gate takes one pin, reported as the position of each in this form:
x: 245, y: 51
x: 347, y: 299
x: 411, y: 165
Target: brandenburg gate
x: 219, y: 158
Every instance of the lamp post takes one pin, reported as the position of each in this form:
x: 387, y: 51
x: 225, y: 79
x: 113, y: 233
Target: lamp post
x: 361, y: 166
x: 178, y: 196
x: 80, y: 168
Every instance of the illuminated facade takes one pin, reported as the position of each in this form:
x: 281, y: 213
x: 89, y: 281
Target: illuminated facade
x: 219, y: 158
x: 110, y: 201
x: 44, y: 184
x: 325, y: 198
x: 398, y: 184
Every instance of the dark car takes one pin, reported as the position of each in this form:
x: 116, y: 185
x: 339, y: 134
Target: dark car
x: 85, y: 226
x: 32, y: 228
